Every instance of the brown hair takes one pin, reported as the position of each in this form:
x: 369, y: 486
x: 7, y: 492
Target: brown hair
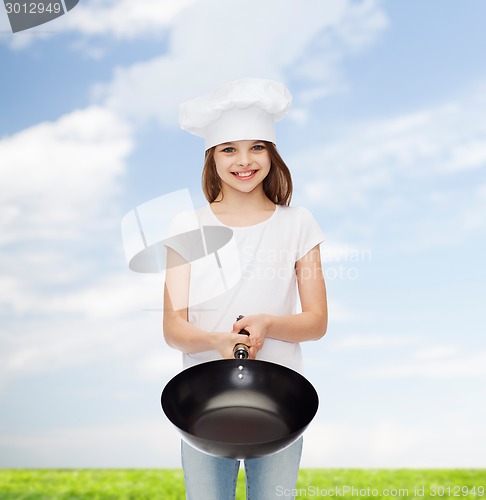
x: 277, y: 185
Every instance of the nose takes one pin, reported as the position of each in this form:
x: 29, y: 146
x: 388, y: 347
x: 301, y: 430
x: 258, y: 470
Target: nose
x: 244, y: 159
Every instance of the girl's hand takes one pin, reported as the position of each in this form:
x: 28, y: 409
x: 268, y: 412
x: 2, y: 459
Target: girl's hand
x: 256, y: 326
x: 225, y: 343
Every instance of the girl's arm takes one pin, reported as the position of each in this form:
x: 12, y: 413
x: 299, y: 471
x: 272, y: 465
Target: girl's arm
x: 178, y: 332
x: 310, y: 324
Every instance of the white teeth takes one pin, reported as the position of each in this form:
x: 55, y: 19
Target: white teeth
x: 244, y: 174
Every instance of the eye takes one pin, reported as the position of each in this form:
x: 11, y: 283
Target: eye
x: 229, y: 149
x: 258, y: 147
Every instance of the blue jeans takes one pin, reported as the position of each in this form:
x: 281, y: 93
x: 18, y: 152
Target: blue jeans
x: 214, y: 478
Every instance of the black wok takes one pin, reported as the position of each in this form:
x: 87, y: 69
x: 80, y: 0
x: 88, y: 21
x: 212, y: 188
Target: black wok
x: 240, y: 408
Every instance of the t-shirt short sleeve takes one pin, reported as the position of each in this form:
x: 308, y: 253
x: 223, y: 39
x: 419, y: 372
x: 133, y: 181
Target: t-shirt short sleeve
x: 310, y: 233
x: 184, y: 236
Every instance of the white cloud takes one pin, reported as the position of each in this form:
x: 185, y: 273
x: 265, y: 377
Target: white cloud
x: 119, y: 19
x: 160, y: 365
x: 436, y: 363
x: 113, y: 317
x: 60, y: 305
x: 416, y: 167
x: 435, y: 352
x: 450, y: 441
x: 49, y: 345
x: 57, y: 175
x: 124, y: 19
x: 412, y: 356
x: 108, y: 297
x: 241, y: 32
x: 100, y: 298
x: 339, y: 313
x: 365, y: 341
x: 381, y: 153
x: 58, y: 189
x: 307, y: 43
x: 144, y: 443
x: 343, y: 252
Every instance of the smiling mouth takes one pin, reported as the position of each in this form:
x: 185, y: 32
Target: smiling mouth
x: 244, y: 175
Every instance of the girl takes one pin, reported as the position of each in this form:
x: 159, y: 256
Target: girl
x: 248, y: 187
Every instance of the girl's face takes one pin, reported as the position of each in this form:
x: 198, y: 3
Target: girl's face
x: 242, y: 165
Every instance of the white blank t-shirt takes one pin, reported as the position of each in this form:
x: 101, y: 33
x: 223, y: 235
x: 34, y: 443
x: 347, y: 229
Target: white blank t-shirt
x: 267, y: 281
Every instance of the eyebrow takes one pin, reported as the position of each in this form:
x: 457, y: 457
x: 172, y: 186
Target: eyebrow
x: 233, y: 143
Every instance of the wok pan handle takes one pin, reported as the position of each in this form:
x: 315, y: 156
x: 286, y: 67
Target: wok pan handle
x: 240, y: 351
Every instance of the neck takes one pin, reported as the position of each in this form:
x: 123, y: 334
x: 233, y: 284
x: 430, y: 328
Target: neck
x: 230, y: 200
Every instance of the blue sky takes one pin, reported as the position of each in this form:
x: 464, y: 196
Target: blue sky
x: 386, y: 143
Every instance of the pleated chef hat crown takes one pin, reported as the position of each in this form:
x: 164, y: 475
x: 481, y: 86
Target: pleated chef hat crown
x: 245, y: 109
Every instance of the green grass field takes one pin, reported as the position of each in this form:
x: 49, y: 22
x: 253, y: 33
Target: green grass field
x: 135, y: 484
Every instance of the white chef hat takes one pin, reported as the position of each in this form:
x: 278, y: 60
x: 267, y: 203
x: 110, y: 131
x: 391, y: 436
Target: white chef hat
x: 245, y: 109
